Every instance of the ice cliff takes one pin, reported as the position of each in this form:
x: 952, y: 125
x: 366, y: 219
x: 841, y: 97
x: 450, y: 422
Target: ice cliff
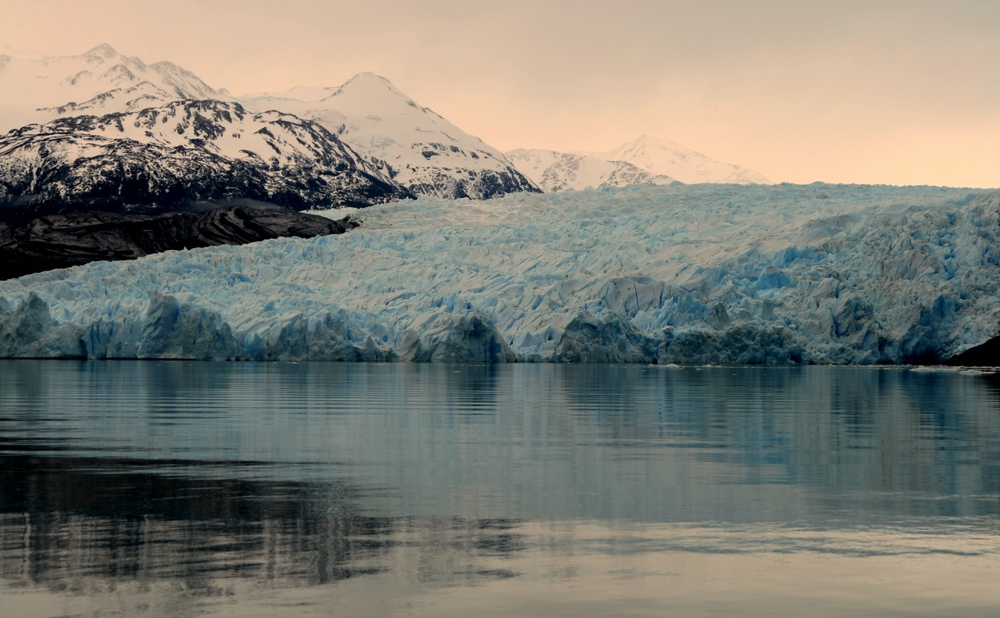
x: 684, y: 274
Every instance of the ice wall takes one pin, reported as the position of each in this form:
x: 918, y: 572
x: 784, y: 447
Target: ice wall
x: 684, y: 274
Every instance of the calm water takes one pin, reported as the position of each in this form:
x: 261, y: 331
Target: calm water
x: 179, y: 489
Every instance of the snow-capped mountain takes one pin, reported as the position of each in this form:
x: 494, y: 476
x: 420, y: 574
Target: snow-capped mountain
x: 425, y: 153
x: 683, y: 164
x: 646, y: 160
x: 100, y: 81
x: 187, y: 151
x: 556, y: 171
x: 428, y: 154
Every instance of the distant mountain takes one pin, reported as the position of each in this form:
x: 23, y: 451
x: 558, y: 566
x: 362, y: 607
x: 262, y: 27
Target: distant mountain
x: 98, y: 82
x: 556, y: 171
x: 186, y: 151
x: 670, y: 159
x: 388, y: 133
x: 647, y: 160
x: 427, y: 154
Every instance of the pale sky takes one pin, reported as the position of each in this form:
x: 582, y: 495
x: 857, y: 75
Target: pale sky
x: 901, y: 92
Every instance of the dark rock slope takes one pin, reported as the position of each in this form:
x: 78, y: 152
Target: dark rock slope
x: 984, y: 355
x: 60, y: 241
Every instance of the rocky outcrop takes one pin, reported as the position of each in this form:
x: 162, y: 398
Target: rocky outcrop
x: 61, y: 241
x: 984, y: 355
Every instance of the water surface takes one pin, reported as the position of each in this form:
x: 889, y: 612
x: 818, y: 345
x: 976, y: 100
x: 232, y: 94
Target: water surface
x: 327, y: 489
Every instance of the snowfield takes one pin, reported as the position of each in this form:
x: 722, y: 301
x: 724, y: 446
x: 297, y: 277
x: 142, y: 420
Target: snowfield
x: 683, y: 274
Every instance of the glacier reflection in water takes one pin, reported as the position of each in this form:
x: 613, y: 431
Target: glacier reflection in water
x: 175, y: 489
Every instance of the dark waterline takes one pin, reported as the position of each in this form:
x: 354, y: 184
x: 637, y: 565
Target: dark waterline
x: 175, y: 488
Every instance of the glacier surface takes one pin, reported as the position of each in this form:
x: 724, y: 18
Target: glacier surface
x: 683, y: 274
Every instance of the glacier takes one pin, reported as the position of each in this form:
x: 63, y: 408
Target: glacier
x: 697, y: 274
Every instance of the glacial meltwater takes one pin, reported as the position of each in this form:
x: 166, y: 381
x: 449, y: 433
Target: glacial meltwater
x: 329, y: 489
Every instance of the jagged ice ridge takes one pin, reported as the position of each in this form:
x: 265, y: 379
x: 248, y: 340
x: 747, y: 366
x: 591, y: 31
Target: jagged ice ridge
x: 685, y: 274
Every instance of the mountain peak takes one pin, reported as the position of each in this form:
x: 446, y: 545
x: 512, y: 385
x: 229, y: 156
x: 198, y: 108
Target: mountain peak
x: 97, y: 82
x: 368, y: 76
x: 368, y: 84
x: 556, y: 171
x: 427, y: 154
x: 679, y: 162
x: 652, y: 141
x: 188, y: 84
x: 102, y: 51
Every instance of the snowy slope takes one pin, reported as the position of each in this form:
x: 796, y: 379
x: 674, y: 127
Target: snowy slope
x: 692, y: 274
x: 187, y: 151
x: 557, y: 171
x: 428, y: 154
x: 670, y: 159
x: 298, y: 93
x: 100, y: 81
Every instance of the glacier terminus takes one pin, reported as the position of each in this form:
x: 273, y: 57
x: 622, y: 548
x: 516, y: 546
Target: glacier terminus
x: 685, y: 274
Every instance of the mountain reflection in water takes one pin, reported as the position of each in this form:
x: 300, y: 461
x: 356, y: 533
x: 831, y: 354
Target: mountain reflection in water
x: 149, y: 488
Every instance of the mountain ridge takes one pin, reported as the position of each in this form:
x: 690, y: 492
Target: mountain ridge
x: 557, y: 171
x: 672, y: 159
x: 427, y: 153
x: 413, y: 145
x: 646, y: 160
x: 187, y: 151
x: 52, y: 86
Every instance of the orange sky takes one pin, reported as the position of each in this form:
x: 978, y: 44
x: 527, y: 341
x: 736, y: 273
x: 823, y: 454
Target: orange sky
x: 871, y: 92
